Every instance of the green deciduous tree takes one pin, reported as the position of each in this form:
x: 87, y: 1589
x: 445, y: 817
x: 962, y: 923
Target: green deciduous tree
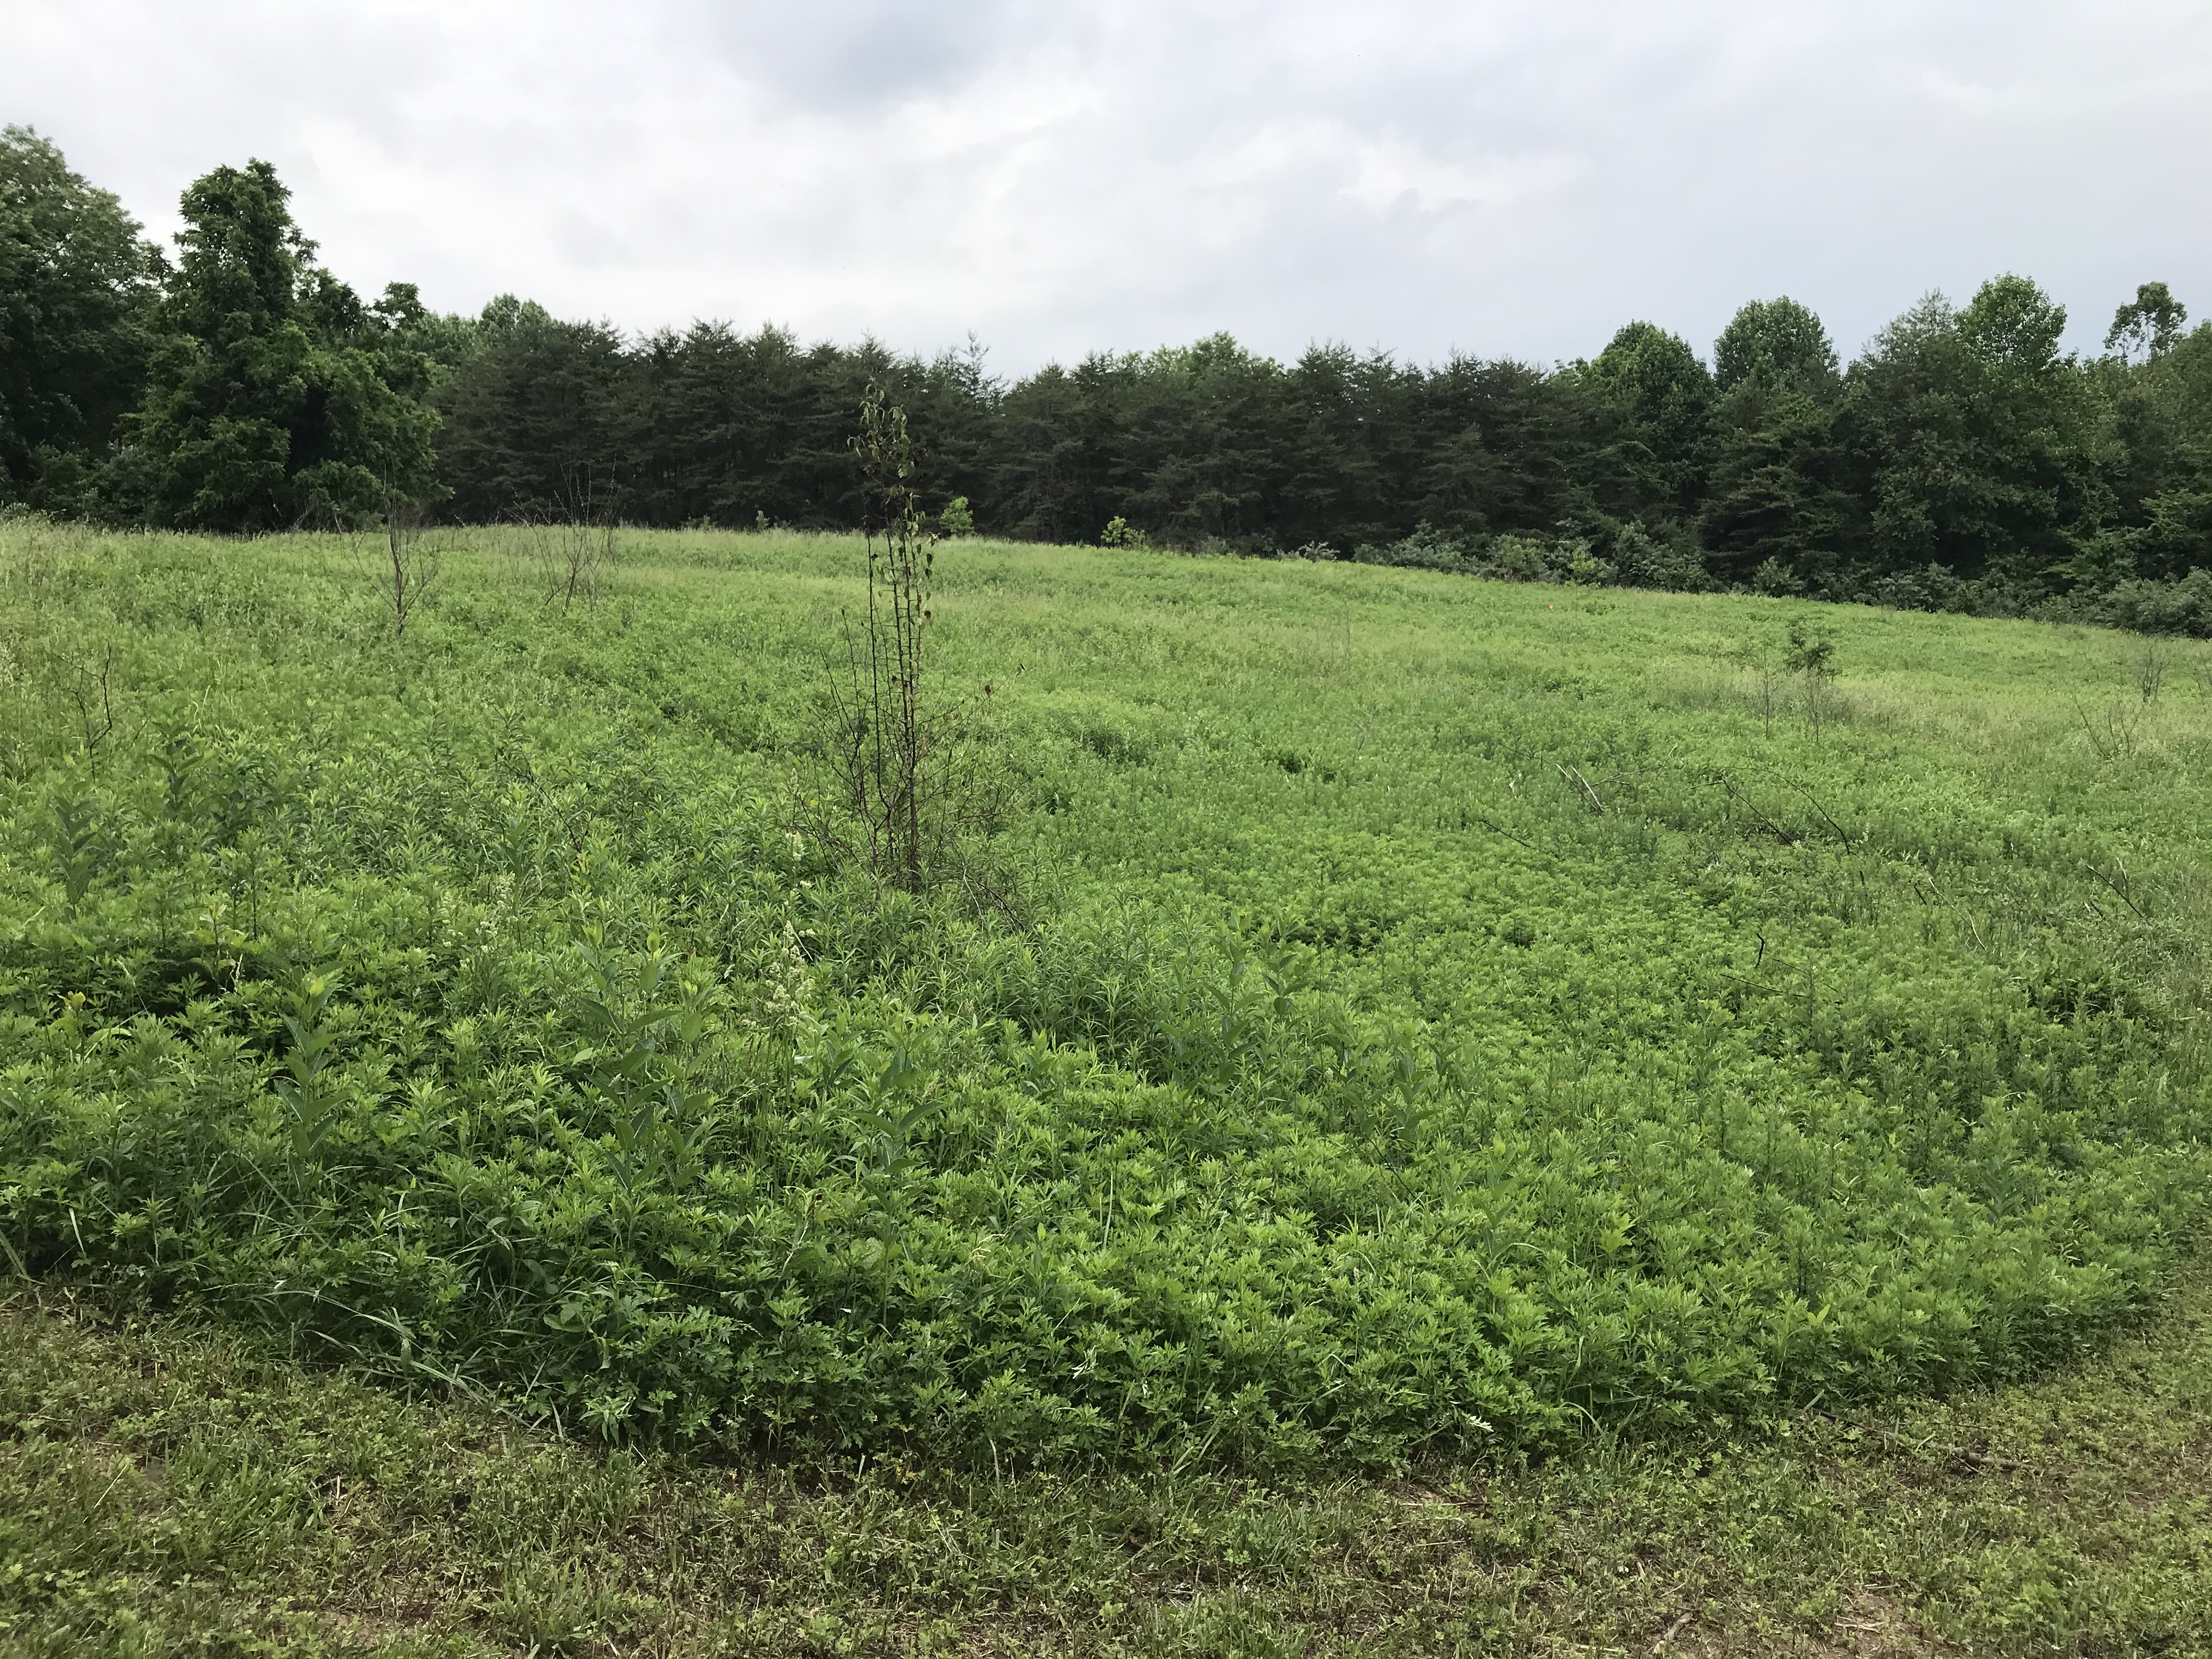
x: 2148, y: 325
x: 1977, y: 441
x: 271, y: 396
x: 2162, y: 432
x: 77, y: 284
x: 1777, y: 344
x: 1662, y: 396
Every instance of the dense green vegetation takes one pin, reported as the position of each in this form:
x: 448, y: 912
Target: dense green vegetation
x: 580, y: 1047
x: 1962, y: 461
x: 1432, y: 1016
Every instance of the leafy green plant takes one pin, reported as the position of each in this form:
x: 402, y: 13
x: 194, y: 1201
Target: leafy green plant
x: 309, y: 1099
x: 1811, y: 655
x: 1776, y: 579
x: 1811, y: 651
x: 81, y: 849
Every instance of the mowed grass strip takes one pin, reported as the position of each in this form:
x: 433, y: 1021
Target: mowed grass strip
x: 164, y: 1491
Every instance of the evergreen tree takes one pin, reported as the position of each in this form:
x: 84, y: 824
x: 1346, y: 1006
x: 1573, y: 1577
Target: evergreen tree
x: 534, y: 416
x: 1050, y: 480
x: 1661, y: 396
x: 1352, y: 456
x: 1506, y: 447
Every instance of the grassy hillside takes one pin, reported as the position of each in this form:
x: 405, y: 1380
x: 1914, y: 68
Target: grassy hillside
x: 1436, y: 1020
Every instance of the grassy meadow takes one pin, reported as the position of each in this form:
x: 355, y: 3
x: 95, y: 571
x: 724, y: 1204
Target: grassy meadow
x: 1485, y: 1113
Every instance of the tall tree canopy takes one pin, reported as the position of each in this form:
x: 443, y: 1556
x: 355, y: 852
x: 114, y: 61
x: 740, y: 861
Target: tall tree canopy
x: 1775, y: 343
x: 533, y: 420
x: 271, y: 396
x: 1965, y: 458
x: 76, y: 283
x: 2148, y: 325
x: 1978, y: 438
x: 1662, y: 395
x: 1774, y: 510
x: 2162, y: 456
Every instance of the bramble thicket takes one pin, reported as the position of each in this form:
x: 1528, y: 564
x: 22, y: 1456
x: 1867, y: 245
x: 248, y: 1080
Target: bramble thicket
x: 1963, y: 461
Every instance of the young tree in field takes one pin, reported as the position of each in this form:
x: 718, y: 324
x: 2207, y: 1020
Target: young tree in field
x: 912, y: 794
x: 886, y: 748
x: 268, y: 400
x: 76, y: 285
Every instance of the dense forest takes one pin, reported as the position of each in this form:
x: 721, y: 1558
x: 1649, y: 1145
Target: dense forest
x: 1963, y: 460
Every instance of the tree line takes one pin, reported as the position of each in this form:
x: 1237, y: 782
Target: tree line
x: 1964, y: 459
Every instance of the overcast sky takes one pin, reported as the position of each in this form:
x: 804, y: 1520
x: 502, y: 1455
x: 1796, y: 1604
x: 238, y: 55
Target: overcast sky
x: 1501, y: 178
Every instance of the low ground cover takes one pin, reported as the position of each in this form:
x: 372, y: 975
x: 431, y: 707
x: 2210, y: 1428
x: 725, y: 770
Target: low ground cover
x: 1438, y: 1019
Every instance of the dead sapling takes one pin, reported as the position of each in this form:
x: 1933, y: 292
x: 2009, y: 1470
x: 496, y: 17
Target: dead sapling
x: 2112, y: 736
x: 1767, y: 679
x: 571, y: 541
x: 911, y: 787
x: 89, y: 687
x: 409, y: 565
x: 2150, y: 670
x: 1574, y: 779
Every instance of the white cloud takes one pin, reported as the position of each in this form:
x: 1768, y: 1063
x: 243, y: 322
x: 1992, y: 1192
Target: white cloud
x: 1393, y: 170
x: 1515, y: 177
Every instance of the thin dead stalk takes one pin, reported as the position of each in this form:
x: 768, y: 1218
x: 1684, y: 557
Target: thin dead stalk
x: 2123, y: 889
x: 1574, y: 776
x: 1496, y: 827
x: 92, y: 689
x: 412, y: 565
x: 913, y: 789
x: 574, y: 539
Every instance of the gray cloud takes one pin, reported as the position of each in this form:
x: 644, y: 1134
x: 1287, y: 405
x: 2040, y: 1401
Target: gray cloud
x: 849, y: 56
x: 1500, y: 177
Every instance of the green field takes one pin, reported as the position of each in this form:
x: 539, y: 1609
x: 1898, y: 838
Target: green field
x: 1435, y: 1024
